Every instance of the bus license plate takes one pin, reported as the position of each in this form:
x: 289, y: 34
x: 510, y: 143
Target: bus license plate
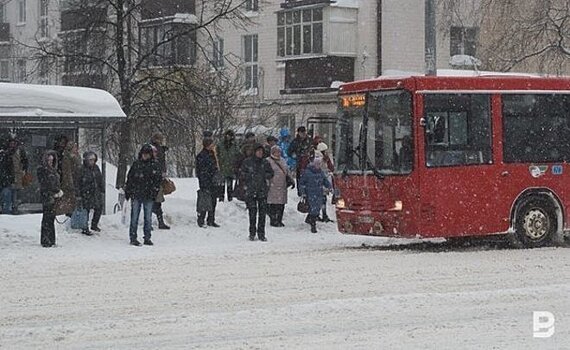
x: 366, y: 220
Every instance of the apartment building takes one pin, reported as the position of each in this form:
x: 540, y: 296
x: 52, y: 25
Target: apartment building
x: 294, y: 53
x: 291, y: 54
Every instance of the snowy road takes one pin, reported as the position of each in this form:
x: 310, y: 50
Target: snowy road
x: 321, y: 299
x: 212, y: 289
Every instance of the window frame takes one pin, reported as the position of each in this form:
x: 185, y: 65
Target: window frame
x: 252, y: 5
x: 5, y: 62
x: 251, y: 62
x: 300, y: 31
x: 510, y: 159
x: 43, y: 18
x: 22, y: 9
x: 218, y: 53
x: 450, y: 148
x: 463, y: 40
x: 167, y: 53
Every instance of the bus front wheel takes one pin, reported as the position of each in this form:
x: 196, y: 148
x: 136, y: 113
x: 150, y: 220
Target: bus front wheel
x: 536, y: 223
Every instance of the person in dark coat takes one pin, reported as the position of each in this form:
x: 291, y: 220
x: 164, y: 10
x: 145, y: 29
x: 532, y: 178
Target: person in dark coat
x: 13, y: 165
x: 256, y: 173
x: 157, y: 141
x: 90, y: 191
x: 59, y: 147
x: 228, y: 154
x: 206, y: 169
x: 313, y: 183
x: 143, y: 183
x: 50, y: 191
x: 299, y: 150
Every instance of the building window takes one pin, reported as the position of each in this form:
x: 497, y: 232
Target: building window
x: 287, y: 121
x: 463, y: 41
x: 21, y: 71
x: 218, y: 53
x: 252, y: 5
x: 2, y: 14
x: 4, y: 70
x: 251, y: 63
x: 21, y: 11
x: 300, y: 32
x: 43, y: 70
x: 168, y: 44
x: 44, y: 23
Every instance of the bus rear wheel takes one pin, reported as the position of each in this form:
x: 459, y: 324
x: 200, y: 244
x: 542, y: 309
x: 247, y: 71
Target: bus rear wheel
x: 536, y: 223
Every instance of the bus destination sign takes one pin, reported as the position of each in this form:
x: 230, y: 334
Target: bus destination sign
x: 357, y: 100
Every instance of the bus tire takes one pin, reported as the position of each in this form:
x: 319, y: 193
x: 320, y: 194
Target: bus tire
x: 536, y: 223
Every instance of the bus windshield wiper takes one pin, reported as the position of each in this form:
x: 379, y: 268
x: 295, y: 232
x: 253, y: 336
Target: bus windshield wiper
x: 375, y: 170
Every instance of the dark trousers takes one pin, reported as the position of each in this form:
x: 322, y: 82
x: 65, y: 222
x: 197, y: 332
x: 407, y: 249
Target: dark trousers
x: 257, y: 208
x: 157, y: 209
x: 276, y: 213
x: 211, y: 214
x: 97, y: 211
x: 47, y: 238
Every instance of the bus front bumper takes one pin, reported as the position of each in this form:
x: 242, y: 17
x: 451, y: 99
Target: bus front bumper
x: 372, y: 223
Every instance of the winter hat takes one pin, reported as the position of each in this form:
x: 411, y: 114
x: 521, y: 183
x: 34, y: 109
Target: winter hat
x: 322, y: 147
x: 89, y: 154
x: 146, y: 148
x: 275, y: 149
x: 271, y: 138
x: 207, y: 133
x: 258, y: 146
x: 249, y: 135
x: 284, y: 132
x: 230, y: 133
x: 207, y: 142
x: 316, y: 140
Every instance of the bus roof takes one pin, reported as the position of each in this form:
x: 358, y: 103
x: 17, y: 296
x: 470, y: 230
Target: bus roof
x: 489, y: 83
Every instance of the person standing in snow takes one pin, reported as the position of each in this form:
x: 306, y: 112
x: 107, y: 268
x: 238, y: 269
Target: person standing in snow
x: 327, y: 165
x: 284, y: 143
x: 312, y: 184
x: 13, y: 166
x: 281, y: 180
x: 300, y: 150
x: 70, y: 165
x: 158, y: 142
x: 255, y: 173
x: 228, y: 154
x: 50, y: 191
x: 143, y: 183
x: 270, y: 141
x: 90, y: 191
x: 206, y: 171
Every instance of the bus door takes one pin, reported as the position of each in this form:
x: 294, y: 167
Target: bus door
x: 458, y: 181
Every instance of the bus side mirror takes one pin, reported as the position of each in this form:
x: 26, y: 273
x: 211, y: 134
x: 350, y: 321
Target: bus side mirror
x: 423, y: 122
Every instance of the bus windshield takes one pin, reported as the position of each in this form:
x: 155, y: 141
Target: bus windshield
x: 376, y: 136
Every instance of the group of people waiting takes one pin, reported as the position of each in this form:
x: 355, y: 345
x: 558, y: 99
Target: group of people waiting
x: 69, y: 183
x: 260, y: 175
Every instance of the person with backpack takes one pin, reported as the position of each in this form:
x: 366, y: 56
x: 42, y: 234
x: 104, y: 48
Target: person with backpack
x: 143, y: 183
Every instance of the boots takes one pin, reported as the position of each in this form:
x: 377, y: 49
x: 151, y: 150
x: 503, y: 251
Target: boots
x: 161, y: 224
x: 313, y: 223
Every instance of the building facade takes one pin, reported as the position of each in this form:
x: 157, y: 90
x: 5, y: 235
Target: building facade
x: 291, y: 55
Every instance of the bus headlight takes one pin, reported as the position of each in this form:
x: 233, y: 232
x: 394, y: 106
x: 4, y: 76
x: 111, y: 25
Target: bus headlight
x: 340, y: 204
x: 398, y: 206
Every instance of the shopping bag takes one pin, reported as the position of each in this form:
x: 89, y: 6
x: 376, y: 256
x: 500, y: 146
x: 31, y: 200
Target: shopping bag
x: 303, y: 206
x: 126, y: 213
x: 168, y: 186
x: 79, y: 219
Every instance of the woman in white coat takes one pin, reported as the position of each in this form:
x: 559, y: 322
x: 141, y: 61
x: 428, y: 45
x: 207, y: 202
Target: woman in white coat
x: 277, y: 196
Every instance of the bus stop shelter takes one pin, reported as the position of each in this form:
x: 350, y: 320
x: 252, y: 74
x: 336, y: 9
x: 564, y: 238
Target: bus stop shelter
x: 39, y: 112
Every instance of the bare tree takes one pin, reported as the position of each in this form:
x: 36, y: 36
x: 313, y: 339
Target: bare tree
x: 146, y: 53
x: 532, y: 35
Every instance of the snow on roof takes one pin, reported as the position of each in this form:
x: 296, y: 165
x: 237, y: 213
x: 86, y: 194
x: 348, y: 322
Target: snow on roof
x: 34, y: 102
x: 345, y: 3
x: 394, y: 73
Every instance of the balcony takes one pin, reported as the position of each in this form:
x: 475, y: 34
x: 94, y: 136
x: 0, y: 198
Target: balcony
x: 316, y: 75
x: 152, y: 9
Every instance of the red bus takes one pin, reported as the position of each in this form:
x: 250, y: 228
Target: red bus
x: 455, y: 157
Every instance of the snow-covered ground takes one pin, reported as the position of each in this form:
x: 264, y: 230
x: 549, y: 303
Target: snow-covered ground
x: 213, y: 289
